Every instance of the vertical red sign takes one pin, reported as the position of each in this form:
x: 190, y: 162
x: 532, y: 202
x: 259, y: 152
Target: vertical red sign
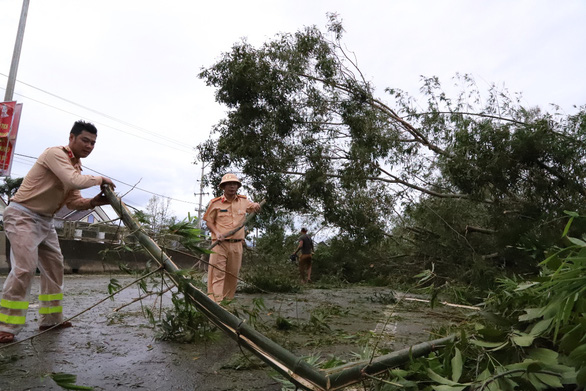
x: 9, y: 121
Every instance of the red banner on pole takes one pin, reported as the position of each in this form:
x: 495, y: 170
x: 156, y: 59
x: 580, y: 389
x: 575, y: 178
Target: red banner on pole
x: 9, y: 121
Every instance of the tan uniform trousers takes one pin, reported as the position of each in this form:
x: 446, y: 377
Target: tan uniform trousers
x: 223, y: 270
x: 34, y: 243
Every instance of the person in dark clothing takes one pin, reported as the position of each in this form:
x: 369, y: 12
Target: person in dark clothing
x: 305, y: 245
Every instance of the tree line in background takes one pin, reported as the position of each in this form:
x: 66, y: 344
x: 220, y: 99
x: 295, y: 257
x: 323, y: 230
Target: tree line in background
x: 468, y: 181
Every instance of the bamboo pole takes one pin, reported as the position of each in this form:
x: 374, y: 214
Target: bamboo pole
x: 348, y: 374
x: 283, y: 361
x: 280, y: 359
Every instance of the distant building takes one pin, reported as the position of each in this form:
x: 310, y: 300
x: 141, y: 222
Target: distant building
x: 96, y: 215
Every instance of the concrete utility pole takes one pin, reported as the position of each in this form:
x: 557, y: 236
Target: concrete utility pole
x: 201, y: 193
x: 16, y: 54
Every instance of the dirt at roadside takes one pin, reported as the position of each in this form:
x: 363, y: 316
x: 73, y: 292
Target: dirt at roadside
x: 117, y: 351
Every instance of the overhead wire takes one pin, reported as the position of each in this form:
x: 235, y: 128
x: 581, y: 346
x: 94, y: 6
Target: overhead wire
x: 100, y: 123
x: 119, y: 181
x: 158, y: 135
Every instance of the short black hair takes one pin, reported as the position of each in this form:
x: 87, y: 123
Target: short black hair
x: 303, y: 229
x: 80, y: 126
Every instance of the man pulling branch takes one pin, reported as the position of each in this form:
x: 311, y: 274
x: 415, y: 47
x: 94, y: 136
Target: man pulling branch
x: 224, y: 214
x: 53, y: 181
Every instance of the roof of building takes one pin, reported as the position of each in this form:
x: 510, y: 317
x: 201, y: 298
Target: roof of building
x: 76, y: 215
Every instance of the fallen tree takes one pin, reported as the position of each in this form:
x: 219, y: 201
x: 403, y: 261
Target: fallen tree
x: 287, y: 364
x: 308, y: 129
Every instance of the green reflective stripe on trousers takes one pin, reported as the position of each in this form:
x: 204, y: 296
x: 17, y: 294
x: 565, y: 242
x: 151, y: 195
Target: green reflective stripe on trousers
x: 14, y: 305
x: 54, y: 296
x: 12, y: 319
x: 50, y: 310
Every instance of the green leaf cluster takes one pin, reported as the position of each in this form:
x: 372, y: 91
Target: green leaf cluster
x: 182, y: 323
x: 531, y: 334
x: 190, y: 236
x: 67, y: 381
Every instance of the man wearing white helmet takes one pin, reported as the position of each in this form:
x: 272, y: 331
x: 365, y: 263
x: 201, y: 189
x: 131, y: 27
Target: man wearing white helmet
x: 223, y: 214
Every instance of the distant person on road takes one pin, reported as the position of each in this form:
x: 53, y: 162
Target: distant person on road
x: 223, y: 214
x: 305, y: 245
x: 53, y: 181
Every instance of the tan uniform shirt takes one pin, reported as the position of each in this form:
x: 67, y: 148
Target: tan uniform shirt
x: 54, y: 180
x: 228, y: 215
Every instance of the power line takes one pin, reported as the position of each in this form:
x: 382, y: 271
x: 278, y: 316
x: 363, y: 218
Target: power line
x: 158, y: 135
x: 119, y: 181
x: 179, y: 143
x: 182, y: 144
x: 100, y: 123
x: 158, y: 142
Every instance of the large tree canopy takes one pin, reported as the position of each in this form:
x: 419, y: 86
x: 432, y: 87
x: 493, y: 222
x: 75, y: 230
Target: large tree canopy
x: 308, y: 132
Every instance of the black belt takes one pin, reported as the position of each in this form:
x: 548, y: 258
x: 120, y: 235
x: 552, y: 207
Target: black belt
x: 233, y: 240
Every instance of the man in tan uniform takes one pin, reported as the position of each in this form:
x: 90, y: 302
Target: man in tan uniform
x: 54, y: 180
x: 223, y: 215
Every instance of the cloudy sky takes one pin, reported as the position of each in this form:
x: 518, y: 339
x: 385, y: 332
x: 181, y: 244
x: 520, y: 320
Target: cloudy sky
x: 130, y: 67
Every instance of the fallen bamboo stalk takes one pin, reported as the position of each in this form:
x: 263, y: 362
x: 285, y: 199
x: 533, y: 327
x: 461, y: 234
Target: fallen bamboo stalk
x: 354, y: 372
x: 294, y: 368
x: 303, y: 374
